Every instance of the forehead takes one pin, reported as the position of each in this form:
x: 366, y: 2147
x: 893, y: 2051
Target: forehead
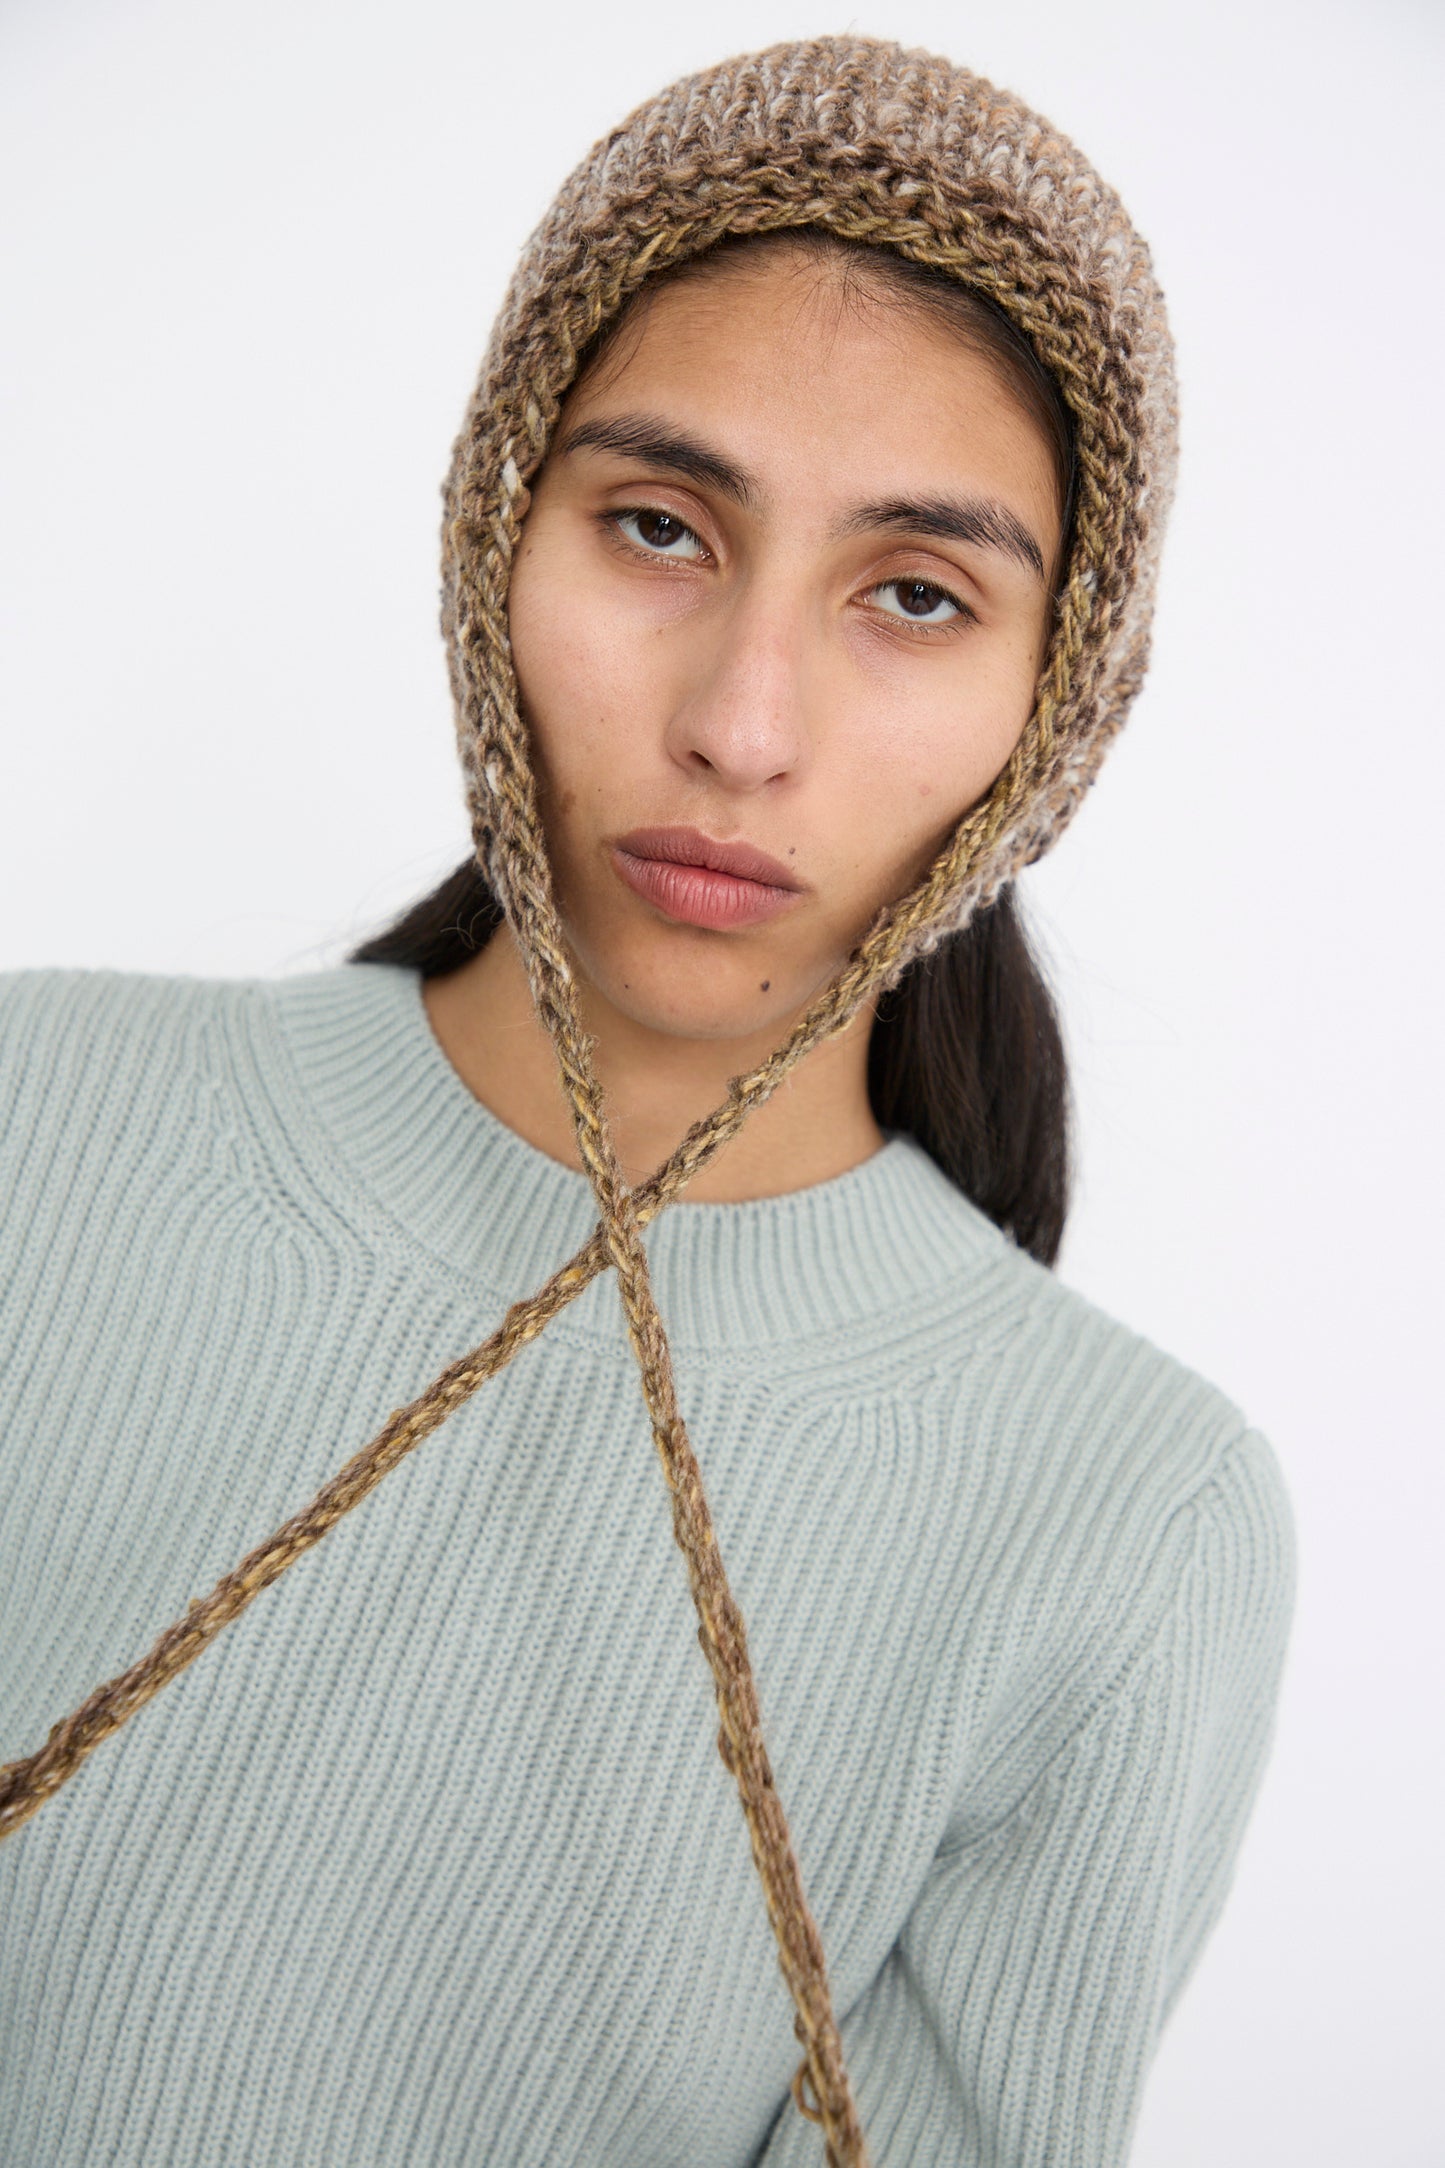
x: 773, y: 296
x: 805, y: 370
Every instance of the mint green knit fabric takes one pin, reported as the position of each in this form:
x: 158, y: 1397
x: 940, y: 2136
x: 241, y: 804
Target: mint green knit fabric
x: 430, y: 1858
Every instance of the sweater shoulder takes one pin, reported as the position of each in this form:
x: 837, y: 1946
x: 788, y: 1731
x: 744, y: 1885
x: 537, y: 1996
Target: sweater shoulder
x: 92, y: 1010
x: 1075, y: 1401
x: 72, y: 1021
x: 94, y: 1058
x: 1100, y: 1353
x: 992, y: 1305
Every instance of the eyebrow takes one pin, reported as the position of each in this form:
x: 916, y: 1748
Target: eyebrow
x: 980, y: 521
x: 643, y: 437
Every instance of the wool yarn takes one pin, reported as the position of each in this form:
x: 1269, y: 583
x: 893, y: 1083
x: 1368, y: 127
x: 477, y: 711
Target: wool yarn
x: 900, y: 150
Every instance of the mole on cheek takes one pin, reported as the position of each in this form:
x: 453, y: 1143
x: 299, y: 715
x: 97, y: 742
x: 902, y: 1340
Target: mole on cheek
x: 765, y: 985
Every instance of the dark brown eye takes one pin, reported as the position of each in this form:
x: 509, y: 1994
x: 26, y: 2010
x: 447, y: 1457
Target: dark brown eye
x: 918, y: 600
x: 658, y: 531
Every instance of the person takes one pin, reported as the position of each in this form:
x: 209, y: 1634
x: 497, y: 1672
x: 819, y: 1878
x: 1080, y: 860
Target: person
x: 798, y: 555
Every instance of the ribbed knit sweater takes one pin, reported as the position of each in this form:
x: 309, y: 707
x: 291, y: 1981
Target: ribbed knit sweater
x: 430, y: 1858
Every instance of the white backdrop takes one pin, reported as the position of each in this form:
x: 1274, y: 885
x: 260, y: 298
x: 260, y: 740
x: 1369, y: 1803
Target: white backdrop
x: 250, y: 254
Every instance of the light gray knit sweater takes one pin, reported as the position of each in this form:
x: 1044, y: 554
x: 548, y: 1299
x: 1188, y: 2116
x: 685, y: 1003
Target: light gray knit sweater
x: 431, y: 1859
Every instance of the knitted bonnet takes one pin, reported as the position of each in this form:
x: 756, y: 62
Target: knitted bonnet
x: 894, y: 149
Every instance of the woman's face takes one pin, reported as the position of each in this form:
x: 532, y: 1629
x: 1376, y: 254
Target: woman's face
x: 784, y: 586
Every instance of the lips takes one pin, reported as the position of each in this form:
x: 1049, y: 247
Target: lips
x: 696, y: 881
x: 689, y: 847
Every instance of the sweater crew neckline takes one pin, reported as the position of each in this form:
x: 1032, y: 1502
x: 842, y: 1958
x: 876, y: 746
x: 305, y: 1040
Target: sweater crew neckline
x: 882, y: 1237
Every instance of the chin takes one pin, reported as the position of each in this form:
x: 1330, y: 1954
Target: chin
x: 700, y: 995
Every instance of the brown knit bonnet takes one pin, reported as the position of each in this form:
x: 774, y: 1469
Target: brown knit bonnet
x: 898, y: 150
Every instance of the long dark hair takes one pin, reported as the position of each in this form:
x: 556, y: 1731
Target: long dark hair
x: 966, y: 1054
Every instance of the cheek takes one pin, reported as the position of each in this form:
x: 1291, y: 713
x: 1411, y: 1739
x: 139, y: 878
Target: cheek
x: 576, y: 666
x: 924, y: 759
x: 557, y: 664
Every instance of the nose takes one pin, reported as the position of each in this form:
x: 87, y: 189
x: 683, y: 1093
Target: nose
x: 739, y: 713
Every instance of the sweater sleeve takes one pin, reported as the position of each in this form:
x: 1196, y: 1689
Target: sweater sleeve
x: 1013, y: 2022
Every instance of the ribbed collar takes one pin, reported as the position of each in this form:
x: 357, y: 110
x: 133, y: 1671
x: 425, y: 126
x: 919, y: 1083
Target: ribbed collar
x: 882, y: 1238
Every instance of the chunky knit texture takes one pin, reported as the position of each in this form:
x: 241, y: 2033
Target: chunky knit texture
x: 899, y: 150
x: 429, y: 1857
